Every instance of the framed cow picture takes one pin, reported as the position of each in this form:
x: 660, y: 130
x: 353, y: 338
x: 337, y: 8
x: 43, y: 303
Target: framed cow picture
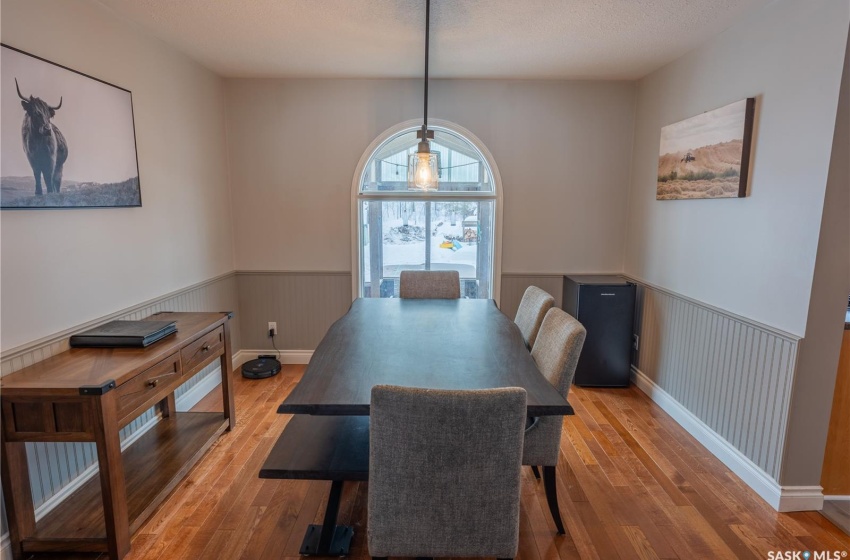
x: 68, y: 139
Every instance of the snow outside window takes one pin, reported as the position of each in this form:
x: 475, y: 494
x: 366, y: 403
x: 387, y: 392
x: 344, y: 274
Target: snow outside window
x: 450, y: 229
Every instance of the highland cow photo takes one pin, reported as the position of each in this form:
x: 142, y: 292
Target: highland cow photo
x: 67, y: 139
x: 707, y: 156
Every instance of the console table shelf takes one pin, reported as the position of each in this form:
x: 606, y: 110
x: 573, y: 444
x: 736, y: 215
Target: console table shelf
x: 88, y: 394
x: 153, y: 466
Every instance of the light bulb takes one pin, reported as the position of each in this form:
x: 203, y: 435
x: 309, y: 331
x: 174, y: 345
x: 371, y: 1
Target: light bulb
x: 423, y: 171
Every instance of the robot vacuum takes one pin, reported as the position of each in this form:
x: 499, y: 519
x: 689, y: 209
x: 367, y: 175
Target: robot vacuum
x: 261, y: 368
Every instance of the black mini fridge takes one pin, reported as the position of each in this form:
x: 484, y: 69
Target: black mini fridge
x: 605, y: 305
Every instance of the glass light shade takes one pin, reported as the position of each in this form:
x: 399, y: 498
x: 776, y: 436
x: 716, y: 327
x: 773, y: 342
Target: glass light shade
x: 423, y: 172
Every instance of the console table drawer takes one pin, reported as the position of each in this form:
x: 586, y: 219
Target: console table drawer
x: 148, y: 387
x: 200, y: 351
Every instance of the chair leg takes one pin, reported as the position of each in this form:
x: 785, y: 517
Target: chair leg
x: 551, y: 486
x: 536, y: 472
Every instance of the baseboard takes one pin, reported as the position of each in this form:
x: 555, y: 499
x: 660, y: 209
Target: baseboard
x: 194, y: 395
x: 286, y: 356
x: 781, y: 498
x: 837, y: 510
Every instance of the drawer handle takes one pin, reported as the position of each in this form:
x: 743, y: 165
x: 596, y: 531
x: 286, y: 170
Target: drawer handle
x: 153, y: 382
x: 205, y: 348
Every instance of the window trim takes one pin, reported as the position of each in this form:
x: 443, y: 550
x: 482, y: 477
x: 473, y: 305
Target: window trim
x: 357, y: 196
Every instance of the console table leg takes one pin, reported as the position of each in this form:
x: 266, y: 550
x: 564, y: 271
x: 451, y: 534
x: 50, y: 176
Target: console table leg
x: 168, y: 406
x: 112, y: 485
x: 17, y: 494
x: 227, y: 379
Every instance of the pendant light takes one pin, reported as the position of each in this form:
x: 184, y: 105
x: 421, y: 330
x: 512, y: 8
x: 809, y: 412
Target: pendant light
x: 423, y: 168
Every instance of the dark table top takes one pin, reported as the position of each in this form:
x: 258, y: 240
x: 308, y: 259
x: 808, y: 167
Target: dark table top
x: 437, y: 344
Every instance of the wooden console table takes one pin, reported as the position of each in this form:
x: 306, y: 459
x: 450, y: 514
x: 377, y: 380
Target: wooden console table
x: 89, y: 394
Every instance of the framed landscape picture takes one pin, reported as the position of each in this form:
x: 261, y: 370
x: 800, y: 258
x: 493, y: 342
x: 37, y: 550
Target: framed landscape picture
x: 707, y: 156
x: 68, y: 140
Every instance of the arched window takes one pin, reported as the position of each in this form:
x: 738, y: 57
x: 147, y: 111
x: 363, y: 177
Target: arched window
x: 453, y: 228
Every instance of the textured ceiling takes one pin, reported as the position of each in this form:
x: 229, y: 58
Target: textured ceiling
x: 607, y: 39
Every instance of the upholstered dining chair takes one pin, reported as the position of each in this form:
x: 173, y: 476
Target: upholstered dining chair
x: 444, y: 472
x: 529, y: 316
x: 429, y: 284
x: 556, y: 351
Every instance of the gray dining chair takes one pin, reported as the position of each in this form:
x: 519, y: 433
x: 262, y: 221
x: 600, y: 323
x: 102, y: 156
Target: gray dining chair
x: 556, y: 352
x: 444, y: 472
x: 532, y: 308
x: 429, y: 284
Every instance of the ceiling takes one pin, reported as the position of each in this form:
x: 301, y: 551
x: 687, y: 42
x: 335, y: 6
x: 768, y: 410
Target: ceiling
x: 548, y: 39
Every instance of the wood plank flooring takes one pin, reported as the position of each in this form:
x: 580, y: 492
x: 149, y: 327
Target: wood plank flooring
x: 632, y: 485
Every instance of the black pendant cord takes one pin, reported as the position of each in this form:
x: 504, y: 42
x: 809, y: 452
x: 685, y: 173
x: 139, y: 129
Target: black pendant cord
x: 427, y: 36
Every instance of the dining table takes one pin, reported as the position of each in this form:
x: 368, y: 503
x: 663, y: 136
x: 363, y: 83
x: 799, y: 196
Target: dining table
x: 455, y: 344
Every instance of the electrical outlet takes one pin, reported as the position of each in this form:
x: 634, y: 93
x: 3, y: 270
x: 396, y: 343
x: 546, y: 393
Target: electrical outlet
x: 272, y: 329
x: 636, y: 341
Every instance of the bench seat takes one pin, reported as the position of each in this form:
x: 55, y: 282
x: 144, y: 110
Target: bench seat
x: 321, y: 448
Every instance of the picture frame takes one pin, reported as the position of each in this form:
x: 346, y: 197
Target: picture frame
x: 68, y: 138
x: 707, y: 156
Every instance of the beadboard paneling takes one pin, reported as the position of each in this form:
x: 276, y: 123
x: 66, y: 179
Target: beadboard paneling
x: 53, y: 466
x: 733, y: 374
x: 303, y: 304
x: 514, y: 286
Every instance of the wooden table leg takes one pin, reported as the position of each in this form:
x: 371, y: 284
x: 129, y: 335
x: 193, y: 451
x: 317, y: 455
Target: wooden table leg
x: 168, y: 406
x: 112, y: 486
x: 227, y: 379
x: 17, y: 494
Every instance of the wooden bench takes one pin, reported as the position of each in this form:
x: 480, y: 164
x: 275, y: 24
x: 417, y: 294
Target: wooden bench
x: 334, y: 448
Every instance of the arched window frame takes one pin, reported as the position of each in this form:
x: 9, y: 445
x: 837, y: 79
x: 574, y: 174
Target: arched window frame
x: 357, y: 196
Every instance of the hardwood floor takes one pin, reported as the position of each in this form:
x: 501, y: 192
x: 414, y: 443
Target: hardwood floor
x: 632, y: 484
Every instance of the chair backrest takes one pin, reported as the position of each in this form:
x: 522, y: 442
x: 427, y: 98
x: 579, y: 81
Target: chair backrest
x: 557, y: 348
x: 529, y: 316
x: 444, y: 472
x: 429, y: 284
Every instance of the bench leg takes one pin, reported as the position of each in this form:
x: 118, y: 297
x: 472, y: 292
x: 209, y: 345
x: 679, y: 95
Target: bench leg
x: 329, y: 539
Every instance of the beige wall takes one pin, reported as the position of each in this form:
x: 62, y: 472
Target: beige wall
x: 777, y: 258
x: 61, y: 268
x: 563, y: 150
x: 754, y: 257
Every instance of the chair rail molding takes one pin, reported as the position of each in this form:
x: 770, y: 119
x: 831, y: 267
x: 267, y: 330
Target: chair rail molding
x: 184, y: 299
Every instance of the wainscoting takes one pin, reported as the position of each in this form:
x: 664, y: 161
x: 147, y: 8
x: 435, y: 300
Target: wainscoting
x: 515, y: 284
x: 56, y: 469
x: 303, y: 304
x: 727, y: 380
x: 306, y: 304
x: 724, y: 378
